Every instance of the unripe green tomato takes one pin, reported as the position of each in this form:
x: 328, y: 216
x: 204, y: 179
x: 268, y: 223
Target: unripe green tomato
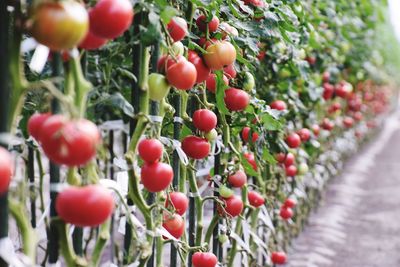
x: 225, y: 191
x: 178, y: 49
x: 222, y: 238
x: 303, y: 168
x: 158, y: 87
x: 211, y: 135
x: 249, y: 81
x: 284, y: 73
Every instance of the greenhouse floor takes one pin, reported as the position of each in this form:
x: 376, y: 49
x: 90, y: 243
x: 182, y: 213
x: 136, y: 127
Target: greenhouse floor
x: 357, y: 225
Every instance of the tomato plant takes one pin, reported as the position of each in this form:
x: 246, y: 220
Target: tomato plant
x: 196, y: 147
x: 6, y: 170
x: 150, y: 150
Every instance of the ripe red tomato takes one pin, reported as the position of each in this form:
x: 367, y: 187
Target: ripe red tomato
x: 278, y: 257
x: 286, y: 213
x: 327, y: 124
x: 205, y: 120
x: 92, y: 42
x: 245, y: 135
x: 256, y: 3
x: 109, y: 19
x: 72, y: 143
x: 233, y: 205
x: 202, y: 70
x: 182, y: 75
x: 328, y: 91
x: 289, y: 203
x: 211, y: 82
x: 293, y: 140
x: 304, y: 134
x: 62, y: 17
x: 278, y: 104
x: 179, y: 201
x: 204, y: 259
x: 250, y: 158
x: 334, y: 107
x: 326, y: 76
x: 150, y: 150
x: 203, y: 42
x: 290, y: 159
x: 238, y: 179
x: 315, y: 128
x: 177, y: 28
x: 236, y: 99
x: 195, y: 147
x: 167, y: 61
x: 219, y: 55
x: 202, y: 23
x: 255, y: 199
x: 230, y: 71
x: 348, y: 122
x: 6, y: 170
x: 358, y: 116
x: 311, y: 60
x: 291, y: 170
x: 86, y: 206
x: 174, y: 224
x: 156, y: 176
x: 280, y: 157
x: 35, y: 122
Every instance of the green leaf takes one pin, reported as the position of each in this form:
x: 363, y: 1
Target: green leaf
x: 267, y: 156
x: 248, y: 168
x: 270, y: 123
x: 220, y: 93
x: 167, y: 14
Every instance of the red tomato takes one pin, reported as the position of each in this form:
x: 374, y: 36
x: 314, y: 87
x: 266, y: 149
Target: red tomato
x: 261, y: 55
x: 195, y: 147
x: 236, y: 99
x: 150, y: 150
x: 230, y: 71
x: 293, y: 140
x: 167, y: 61
x: 203, y: 42
x: 348, y: 122
x: 219, y: 55
x: 156, y: 176
x: 182, y: 75
x: 315, y: 128
x: 177, y: 28
x: 304, y: 134
x: 257, y: 3
x: 341, y: 91
x: 289, y: 160
x: 204, y: 259
x: 238, y: 179
x: 291, y: 170
x: 111, y: 18
x: 311, y: 60
x: 334, y: 107
x: 278, y: 257
x: 179, y: 201
x: 35, y: 122
x: 6, y: 170
x: 289, y: 203
x: 59, y: 25
x: 211, y: 82
x: 174, y: 224
x: 92, y: 42
x: 250, y: 158
x: 280, y: 157
x: 202, y: 70
x: 255, y: 199
x: 357, y: 116
x: 212, y: 25
x: 72, y: 143
x: 245, y: 135
x: 86, y: 206
x: 204, y: 120
x: 328, y: 91
x: 278, y: 104
x: 233, y: 205
x: 286, y: 213
x: 327, y: 124
x: 326, y: 76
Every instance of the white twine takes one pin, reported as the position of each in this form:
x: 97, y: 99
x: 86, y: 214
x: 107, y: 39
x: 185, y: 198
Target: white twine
x: 176, y: 145
x: 178, y: 119
x: 58, y: 187
x: 154, y: 118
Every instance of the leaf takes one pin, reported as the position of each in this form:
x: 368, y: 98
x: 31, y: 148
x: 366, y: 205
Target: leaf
x: 220, y: 93
x: 248, y: 168
x: 167, y: 14
x: 270, y: 123
x: 117, y: 101
x: 267, y: 156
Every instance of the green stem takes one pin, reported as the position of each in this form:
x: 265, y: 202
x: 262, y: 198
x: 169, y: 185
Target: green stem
x: 66, y: 249
x: 198, y: 207
x: 210, y: 228
x: 104, y: 236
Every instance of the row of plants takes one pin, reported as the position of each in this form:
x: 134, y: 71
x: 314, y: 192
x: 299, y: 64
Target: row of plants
x: 180, y: 133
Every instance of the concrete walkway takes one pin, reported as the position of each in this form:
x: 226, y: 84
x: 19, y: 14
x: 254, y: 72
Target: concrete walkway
x: 358, y: 225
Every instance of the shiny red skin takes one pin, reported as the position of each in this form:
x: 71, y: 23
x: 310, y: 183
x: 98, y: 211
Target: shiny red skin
x: 280, y: 157
x: 289, y: 160
x: 278, y: 257
x: 340, y: 91
x: 211, y: 82
x: 86, y: 206
x: 230, y: 71
x: 202, y: 70
x: 179, y: 201
x: 233, y: 205
x: 150, y: 150
x: 182, y: 75
x: 6, y: 170
x: 304, y: 134
x: 204, y: 259
x: 167, y: 61
x: 348, y: 122
x: 204, y: 120
x: 35, y: 123
x: 255, y: 199
x: 177, y: 28
x: 92, y: 41
x: 358, y: 116
x: 291, y: 170
x: 245, y: 135
x: 328, y: 91
x: 334, y: 107
x: 202, y: 24
x: 156, y: 176
x: 109, y: 19
x: 327, y: 124
x: 250, y: 158
x: 278, y: 104
x: 203, y: 42
x: 174, y: 224
x: 311, y: 60
x: 196, y: 147
x: 256, y: 3
x: 289, y: 203
x: 293, y: 140
x: 316, y: 129
x: 238, y: 179
x: 326, y: 76
x: 236, y: 99
x: 286, y: 213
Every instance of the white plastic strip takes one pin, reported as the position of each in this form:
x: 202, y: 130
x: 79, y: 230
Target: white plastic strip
x: 39, y: 58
